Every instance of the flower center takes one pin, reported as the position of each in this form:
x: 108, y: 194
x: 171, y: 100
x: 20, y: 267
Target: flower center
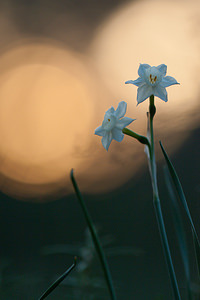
x: 153, y: 76
x: 109, y: 122
x: 152, y: 79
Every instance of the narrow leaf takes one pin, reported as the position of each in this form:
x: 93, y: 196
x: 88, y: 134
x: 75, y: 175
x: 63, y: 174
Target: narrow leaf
x: 95, y: 239
x: 182, y: 198
x: 58, y: 281
x: 179, y: 228
x: 197, y: 251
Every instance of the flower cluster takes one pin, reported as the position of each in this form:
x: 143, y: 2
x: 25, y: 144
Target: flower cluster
x: 151, y: 81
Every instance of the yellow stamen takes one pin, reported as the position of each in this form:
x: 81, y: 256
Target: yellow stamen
x: 152, y: 79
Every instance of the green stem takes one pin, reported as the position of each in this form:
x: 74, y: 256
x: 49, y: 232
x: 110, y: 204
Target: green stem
x: 152, y: 111
x: 142, y: 139
x: 157, y: 206
x: 95, y: 239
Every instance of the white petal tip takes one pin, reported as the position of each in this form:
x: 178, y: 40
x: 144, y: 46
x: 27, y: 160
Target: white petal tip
x: 106, y: 148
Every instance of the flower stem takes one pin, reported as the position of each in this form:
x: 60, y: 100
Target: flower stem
x: 142, y: 139
x: 157, y: 206
x: 95, y: 239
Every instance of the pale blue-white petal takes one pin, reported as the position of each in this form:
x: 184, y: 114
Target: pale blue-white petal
x: 121, y: 110
x: 100, y: 131
x: 110, y: 110
x: 162, y: 69
x: 167, y: 81
x: 160, y: 92
x: 106, y: 140
x: 117, y: 135
x: 142, y: 68
x: 144, y: 92
x: 121, y: 124
x: 137, y: 82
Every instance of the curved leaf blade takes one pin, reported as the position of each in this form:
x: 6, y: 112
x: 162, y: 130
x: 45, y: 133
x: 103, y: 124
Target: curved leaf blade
x: 182, y: 198
x: 180, y: 232
x: 58, y: 281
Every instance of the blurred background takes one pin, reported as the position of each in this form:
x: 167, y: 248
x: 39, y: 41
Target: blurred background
x: 63, y: 64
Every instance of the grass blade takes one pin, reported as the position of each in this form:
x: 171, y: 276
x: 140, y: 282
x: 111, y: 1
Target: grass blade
x: 95, y: 239
x: 58, y: 281
x: 179, y: 228
x: 182, y: 198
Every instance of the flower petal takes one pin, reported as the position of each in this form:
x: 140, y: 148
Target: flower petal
x: 144, y: 92
x: 110, y: 110
x: 167, y: 81
x: 100, y: 131
x: 121, y: 124
x: 117, y: 135
x: 162, y: 69
x: 161, y: 93
x: 121, y: 110
x: 106, y: 140
x: 136, y: 82
x: 142, y: 68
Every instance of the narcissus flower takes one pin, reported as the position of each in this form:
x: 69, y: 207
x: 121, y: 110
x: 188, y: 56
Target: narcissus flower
x: 152, y: 81
x: 113, y: 123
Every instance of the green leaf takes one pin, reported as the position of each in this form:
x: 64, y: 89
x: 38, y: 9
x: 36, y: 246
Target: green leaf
x: 58, y: 281
x: 180, y: 232
x: 182, y: 198
x: 95, y: 238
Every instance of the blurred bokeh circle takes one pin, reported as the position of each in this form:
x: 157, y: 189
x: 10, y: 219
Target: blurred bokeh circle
x: 154, y: 32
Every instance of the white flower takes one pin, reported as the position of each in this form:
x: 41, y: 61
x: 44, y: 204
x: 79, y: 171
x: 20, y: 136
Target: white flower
x: 152, y: 81
x: 113, y: 123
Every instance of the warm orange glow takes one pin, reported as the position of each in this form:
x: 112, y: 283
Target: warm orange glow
x: 51, y: 103
x: 52, y: 99
x: 46, y: 109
